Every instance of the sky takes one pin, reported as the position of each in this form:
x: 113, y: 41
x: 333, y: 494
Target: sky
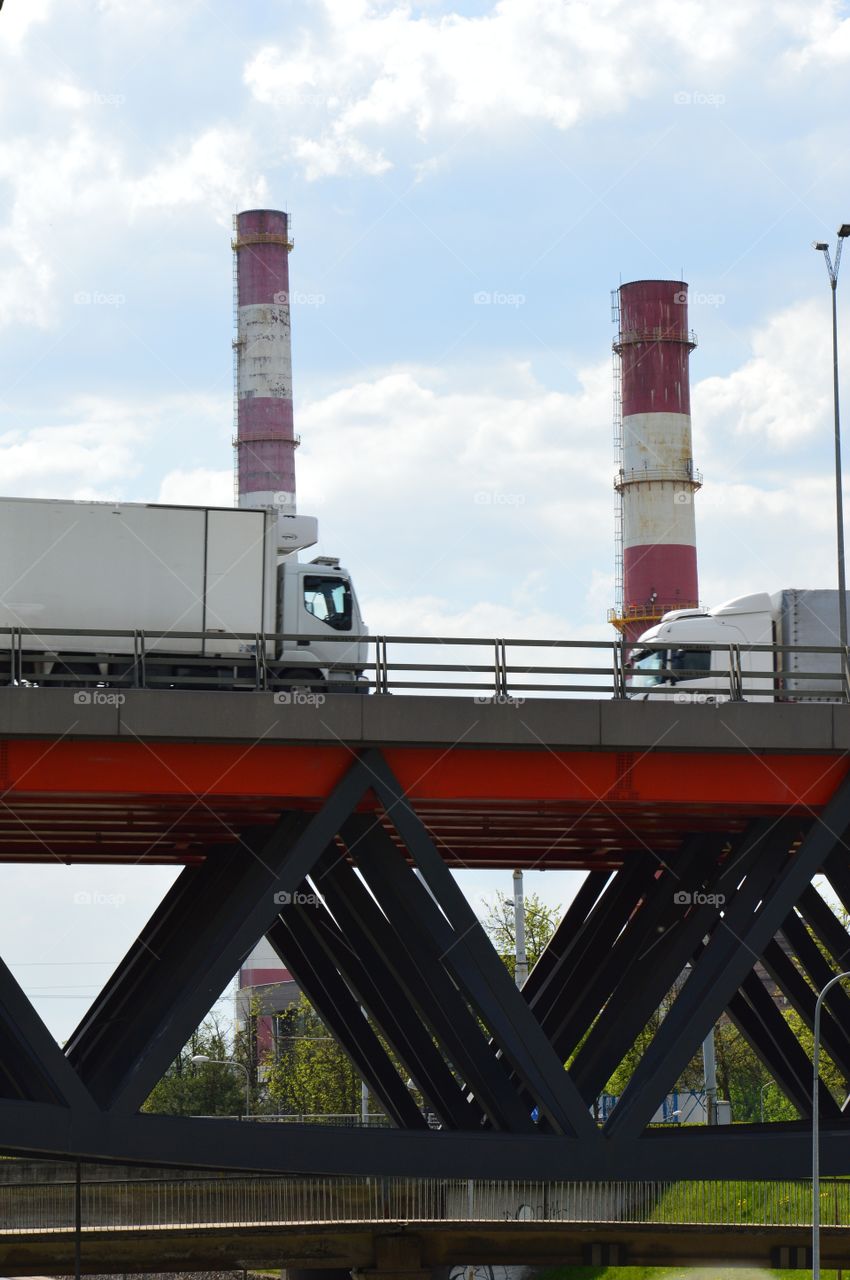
x: 467, y: 183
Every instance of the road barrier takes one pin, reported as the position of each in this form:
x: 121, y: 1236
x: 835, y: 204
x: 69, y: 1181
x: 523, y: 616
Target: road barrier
x: 492, y: 670
x: 225, y: 1201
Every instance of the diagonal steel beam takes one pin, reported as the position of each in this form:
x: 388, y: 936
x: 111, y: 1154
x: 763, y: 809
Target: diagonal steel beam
x: 208, y: 923
x: 567, y: 977
x: 576, y: 1013
x: 476, y: 966
x: 829, y: 930
x: 756, y: 911
x: 653, y: 974
x: 296, y: 936
x: 416, y: 921
x: 378, y: 968
x: 837, y: 872
x: 820, y: 971
x: 763, y: 1027
x: 802, y: 998
x: 32, y: 1066
x: 566, y: 936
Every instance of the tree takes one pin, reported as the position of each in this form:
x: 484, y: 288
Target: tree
x: 211, y: 1090
x: 312, y: 1075
x: 540, y: 924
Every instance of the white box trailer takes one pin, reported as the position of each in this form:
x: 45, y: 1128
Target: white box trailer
x: 230, y: 573
x: 131, y: 566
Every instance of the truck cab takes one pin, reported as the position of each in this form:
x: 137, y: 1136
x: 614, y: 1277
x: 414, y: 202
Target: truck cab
x: 683, y: 650
x: 318, y: 606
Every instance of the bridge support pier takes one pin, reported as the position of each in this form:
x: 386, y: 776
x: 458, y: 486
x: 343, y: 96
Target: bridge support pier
x: 397, y: 1257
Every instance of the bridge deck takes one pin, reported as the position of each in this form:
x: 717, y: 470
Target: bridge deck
x: 164, y: 775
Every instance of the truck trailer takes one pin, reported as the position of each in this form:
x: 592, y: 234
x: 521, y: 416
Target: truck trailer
x: 173, y: 583
x: 707, y: 655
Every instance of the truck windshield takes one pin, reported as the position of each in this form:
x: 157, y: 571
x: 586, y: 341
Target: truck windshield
x: 691, y: 663
x: 329, y: 600
x: 646, y: 665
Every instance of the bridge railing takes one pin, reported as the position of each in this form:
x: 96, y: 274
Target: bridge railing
x: 490, y: 669
x: 244, y: 1202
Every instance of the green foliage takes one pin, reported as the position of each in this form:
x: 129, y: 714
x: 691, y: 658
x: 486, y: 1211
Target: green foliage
x: 540, y: 923
x: 208, y: 1090
x: 313, y: 1075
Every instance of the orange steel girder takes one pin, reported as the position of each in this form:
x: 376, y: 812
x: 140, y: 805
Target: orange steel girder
x: 303, y: 776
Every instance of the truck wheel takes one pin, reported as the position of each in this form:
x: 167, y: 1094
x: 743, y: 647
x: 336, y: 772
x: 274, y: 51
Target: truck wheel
x: 301, y: 681
x: 123, y: 675
x: 75, y: 675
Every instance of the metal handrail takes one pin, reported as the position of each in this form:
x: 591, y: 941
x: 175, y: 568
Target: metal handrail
x: 503, y: 669
x: 117, y: 1205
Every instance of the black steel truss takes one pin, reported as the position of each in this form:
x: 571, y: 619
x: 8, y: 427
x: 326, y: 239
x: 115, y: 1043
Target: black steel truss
x: 402, y: 973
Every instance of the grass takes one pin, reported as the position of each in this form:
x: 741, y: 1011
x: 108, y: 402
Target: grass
x: 676, y: 1273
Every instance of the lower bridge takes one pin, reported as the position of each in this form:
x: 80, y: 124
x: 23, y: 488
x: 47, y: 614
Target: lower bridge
x: 390, y: 1228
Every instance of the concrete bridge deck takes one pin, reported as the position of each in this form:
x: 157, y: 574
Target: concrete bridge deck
x: 548, y: 782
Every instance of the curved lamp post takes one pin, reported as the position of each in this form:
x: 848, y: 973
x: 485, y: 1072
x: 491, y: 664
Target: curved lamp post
x: 201, y: 1059
x: 832, y: 272
x: 839, y: 977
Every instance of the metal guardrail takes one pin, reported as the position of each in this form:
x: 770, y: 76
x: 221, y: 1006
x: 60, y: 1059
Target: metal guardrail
x: 501, y: 670
x: 342, y: 1119
x: 118, y: 1206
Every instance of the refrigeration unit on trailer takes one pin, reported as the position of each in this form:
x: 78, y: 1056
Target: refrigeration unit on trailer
x: 231, y: 573
x: 674, y: 653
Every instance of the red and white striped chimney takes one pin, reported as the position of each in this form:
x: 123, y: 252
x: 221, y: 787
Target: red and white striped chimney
x: 265, y: 440
x: 656, y: 480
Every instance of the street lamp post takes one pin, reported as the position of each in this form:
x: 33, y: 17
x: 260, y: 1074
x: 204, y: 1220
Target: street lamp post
x: 767, y: 1085
x: 832, y: 272
x: 839, y: 977
x: 201, y: 1059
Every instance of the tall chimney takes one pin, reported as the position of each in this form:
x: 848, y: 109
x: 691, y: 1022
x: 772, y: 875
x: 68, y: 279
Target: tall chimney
x: 265, y: 440
x: 656, y: 480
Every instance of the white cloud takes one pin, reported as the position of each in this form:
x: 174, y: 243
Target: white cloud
x: 201, y: 487
x: 100, y: 447
x: 214, y: 170
x: 19, y: 18
x: 372, y: 69
x: 82, y: 459
x: 74, y: 188
x: 781, y: 396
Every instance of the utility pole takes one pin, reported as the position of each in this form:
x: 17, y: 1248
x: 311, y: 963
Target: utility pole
x: 709, y: 1064
x: 521, y: 971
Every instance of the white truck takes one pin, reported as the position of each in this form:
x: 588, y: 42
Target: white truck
x: 707, y: 655
x: 138, y: 579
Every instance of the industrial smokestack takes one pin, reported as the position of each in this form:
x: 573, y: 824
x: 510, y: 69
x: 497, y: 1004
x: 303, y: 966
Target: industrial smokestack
x: 265, y: 440
x: 656, y: 480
